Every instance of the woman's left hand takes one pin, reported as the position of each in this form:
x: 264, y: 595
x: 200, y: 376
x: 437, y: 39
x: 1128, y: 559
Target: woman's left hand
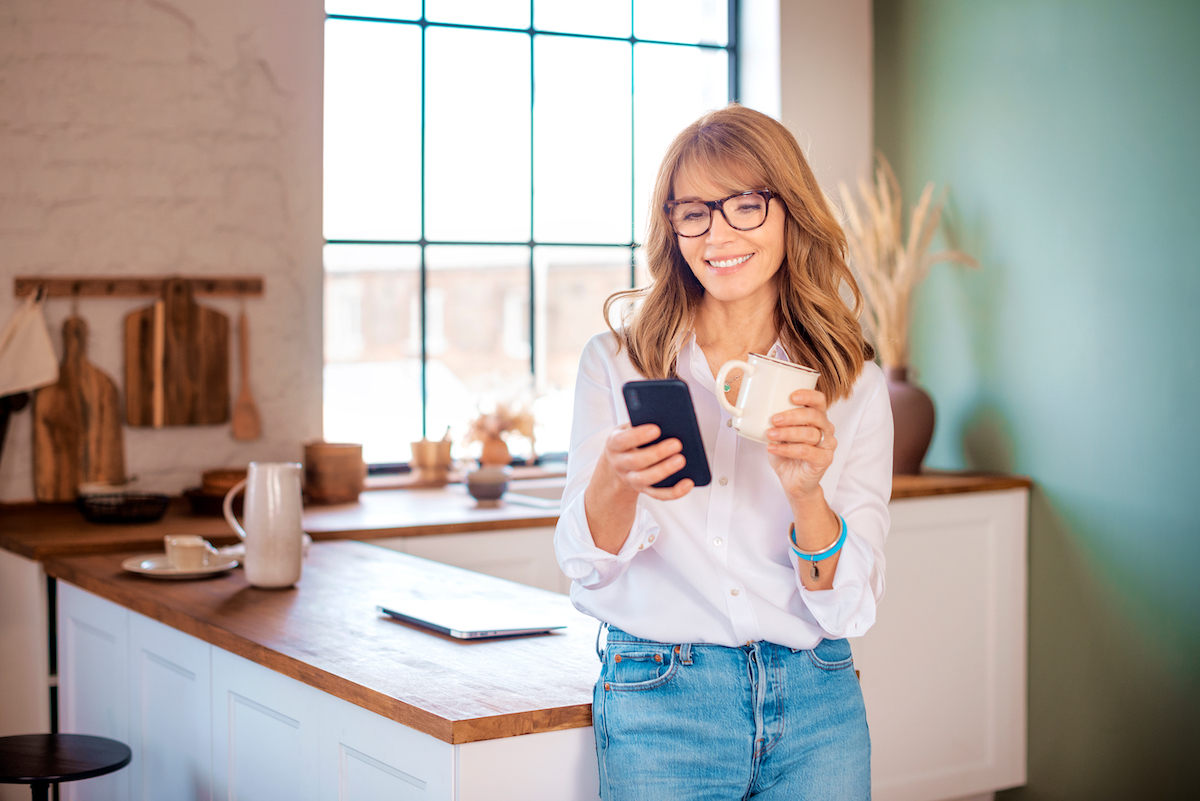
x: 801, y: 443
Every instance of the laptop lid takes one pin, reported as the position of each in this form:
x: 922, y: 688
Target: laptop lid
x: 468, y: 619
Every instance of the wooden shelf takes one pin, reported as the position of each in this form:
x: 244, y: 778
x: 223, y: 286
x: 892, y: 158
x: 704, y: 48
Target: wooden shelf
x: 124, y: 286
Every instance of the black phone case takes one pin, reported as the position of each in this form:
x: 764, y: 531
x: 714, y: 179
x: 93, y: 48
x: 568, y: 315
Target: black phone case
x: 668, y: 404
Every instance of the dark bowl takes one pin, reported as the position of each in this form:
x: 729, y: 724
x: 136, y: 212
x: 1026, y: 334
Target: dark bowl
x: 207, y: 504
x: 123, y: 507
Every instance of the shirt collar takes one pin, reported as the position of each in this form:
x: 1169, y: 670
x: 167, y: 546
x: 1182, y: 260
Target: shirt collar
x: 693, y: 356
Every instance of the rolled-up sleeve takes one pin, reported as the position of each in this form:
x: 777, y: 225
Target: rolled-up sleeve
x: 597, y: 412
x: 591, y: 567
x: 863, y: 491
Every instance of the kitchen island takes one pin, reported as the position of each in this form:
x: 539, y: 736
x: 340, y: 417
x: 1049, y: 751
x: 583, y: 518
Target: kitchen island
x: 227, y: 689
x: 956, y: 564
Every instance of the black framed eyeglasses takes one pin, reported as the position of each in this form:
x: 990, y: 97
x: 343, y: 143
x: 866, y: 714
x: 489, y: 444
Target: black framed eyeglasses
x: 744, y: 211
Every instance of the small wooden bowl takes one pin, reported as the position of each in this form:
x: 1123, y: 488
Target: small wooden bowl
x: 221, y: 480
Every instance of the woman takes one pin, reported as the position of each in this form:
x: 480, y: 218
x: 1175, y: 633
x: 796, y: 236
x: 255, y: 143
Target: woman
x: 726, y: 672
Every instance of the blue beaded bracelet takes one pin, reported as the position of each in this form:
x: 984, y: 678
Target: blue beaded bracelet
x: 818, y: 555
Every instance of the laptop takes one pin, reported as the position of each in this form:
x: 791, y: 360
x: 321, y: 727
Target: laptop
x: 468, y: 619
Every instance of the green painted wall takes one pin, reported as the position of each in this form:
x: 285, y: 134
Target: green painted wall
x: 1069, y: 135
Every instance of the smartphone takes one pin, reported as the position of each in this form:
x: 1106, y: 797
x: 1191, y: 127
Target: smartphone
x: 668, y: 404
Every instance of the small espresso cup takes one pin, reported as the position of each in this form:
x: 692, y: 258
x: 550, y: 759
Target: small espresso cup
x: 766, y: 390
x: 188, y: 551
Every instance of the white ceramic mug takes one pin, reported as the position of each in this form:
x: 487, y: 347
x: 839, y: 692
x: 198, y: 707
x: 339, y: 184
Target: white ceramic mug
x: 188, y: 551
x: 273, y: 532
x: 766, y: 390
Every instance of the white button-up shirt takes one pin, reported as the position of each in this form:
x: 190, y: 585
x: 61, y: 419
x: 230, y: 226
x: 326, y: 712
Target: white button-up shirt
x: 716, y: 566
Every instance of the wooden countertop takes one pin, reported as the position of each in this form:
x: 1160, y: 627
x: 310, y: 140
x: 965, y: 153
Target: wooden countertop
x: 41, y: 531
x: 326, y: 633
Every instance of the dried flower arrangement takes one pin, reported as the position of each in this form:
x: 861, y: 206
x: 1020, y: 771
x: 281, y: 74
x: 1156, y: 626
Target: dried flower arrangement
x: 890, y: 267
x: 491, y: 427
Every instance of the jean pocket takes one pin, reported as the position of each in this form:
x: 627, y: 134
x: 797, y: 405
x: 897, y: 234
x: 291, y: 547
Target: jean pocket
x: 832, y: 655
x: 639, y: 666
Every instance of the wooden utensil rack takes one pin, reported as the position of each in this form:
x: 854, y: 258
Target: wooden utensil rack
x: 141, y: 286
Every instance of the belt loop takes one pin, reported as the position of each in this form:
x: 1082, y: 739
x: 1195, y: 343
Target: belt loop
x: 684, y: 651
x: 602, y: 631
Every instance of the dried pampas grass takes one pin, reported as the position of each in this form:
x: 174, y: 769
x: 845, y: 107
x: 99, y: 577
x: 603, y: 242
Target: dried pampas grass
x: 888, y: 267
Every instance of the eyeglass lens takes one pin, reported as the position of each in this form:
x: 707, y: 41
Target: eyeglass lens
x: 742, y: 212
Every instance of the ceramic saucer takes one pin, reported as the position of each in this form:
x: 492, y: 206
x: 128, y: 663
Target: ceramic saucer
x: 156, y: 565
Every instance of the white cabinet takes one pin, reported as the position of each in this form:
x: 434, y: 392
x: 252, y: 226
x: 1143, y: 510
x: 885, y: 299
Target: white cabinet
x: 170, y: 713
x: 93, y: 681
x: 265, y: 732
x: 24, y: 657
x: 204, y: 723
x: 366, y: 757
x: 524, y: 555
x: 943, y: 668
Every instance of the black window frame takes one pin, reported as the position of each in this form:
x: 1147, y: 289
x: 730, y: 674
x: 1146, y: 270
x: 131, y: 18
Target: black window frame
x: 731, y: 48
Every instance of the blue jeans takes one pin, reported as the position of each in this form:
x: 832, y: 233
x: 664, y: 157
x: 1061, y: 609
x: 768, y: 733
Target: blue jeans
x: 687, y: 721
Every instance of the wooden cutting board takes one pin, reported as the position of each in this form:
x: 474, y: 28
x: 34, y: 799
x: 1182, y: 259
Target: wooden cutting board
x: 176, y: 362
x: 77, y: 435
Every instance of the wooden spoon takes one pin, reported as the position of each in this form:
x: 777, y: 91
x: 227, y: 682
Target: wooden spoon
x: 246, y: 422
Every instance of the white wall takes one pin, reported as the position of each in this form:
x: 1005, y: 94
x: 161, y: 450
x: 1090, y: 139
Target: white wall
x: 169, y: 136
x: 826, y: 85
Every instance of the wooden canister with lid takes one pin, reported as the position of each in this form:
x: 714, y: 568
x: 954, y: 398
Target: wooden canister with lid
x: 334, y: 472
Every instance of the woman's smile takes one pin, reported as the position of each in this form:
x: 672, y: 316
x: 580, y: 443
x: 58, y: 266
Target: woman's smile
x: 727, y: 265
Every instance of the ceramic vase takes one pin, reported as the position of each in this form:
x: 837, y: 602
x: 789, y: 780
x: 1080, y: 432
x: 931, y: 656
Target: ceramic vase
x: 495, y: 452
x: 913, y: 416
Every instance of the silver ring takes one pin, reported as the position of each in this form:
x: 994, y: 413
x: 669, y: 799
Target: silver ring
x: 821, y: 441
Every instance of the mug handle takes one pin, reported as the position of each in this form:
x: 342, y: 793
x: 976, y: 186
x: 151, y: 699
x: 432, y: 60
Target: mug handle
x: 747, y: 369
x: 227, y: 506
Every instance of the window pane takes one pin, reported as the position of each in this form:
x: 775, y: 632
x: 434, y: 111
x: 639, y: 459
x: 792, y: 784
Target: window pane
x: 696, y: 81
x: 372, y: 348
x: 372, y: 130
x: 572, y: 284
x: 610, y: 18
x: 582, y: 138
x: 498, y: 13
x: 384, y: 9
x: 477, y: 334
x: 690, y: 21
x: 477, y: 136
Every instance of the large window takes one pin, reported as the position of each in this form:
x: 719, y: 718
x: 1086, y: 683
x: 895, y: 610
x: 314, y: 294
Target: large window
x: 487, y: 169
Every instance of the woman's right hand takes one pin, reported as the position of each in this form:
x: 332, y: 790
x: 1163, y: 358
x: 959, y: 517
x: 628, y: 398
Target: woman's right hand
x: 640, y: 468
x: 624, y: 470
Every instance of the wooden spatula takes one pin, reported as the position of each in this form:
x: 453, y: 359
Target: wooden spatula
x: 246, y: 422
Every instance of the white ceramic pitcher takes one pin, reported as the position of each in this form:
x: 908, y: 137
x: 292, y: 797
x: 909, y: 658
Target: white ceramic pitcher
x: 273, y: 532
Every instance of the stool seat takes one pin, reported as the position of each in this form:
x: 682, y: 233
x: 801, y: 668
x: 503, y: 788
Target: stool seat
x: 43, y: 759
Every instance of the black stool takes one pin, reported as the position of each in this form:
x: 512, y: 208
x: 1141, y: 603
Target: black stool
x: 40, y: 760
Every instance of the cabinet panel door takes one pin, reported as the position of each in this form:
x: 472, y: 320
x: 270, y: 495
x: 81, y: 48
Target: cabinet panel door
x: 556, y: 764
x: 265, y: 732
x: 171, y: 713
x: 943, y: 668
x: 524, y: 555
x: 365, y: 756
x: 24, y: 659
x: 93, y: 681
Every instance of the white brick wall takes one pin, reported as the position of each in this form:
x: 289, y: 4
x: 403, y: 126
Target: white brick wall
x: 151, y: 137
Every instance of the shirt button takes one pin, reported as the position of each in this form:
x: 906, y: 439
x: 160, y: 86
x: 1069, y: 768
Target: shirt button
x: 650, y: 538
x: 734, y: 591
x: 724, y: 481
x: 729, y: 422
x: 718, y: 541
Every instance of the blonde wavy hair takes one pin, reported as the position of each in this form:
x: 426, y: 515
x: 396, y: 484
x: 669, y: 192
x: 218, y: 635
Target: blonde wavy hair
x: 740, y: 149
